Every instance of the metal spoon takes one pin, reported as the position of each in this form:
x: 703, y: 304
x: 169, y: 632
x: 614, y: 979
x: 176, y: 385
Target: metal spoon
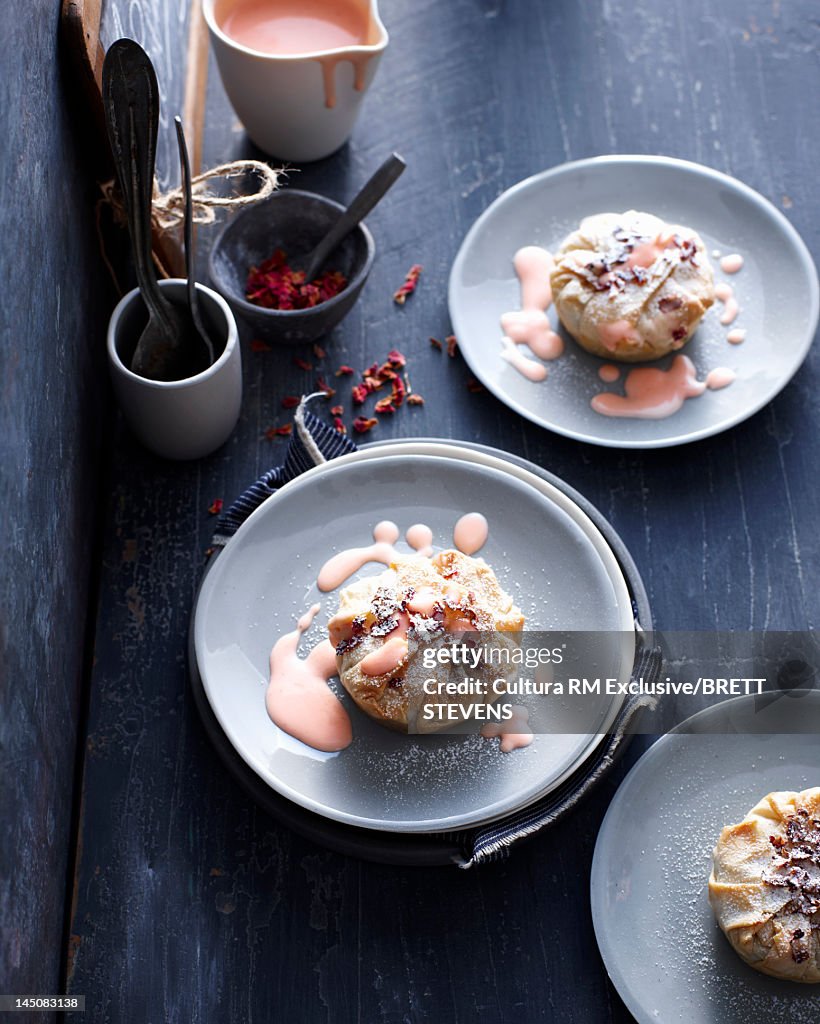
x: 193, y: 297
x: 131, y: 101
x: 365, y: 200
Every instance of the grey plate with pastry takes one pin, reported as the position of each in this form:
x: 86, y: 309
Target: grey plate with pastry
x: 657, y: 932
x: 750, y: 359
x: 545, y: 552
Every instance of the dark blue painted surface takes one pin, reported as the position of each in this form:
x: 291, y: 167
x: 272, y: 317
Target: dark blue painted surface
x: 193, y: 905
x: 52, y: 315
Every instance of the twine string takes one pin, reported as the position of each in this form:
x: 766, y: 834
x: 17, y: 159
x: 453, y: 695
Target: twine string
x: 168, y: 208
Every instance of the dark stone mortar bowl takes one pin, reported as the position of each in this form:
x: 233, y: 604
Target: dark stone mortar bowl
x: 295, y: 222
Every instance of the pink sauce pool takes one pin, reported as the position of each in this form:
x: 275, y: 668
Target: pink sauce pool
x: 732, y: 263
x: 514, y: 732
x: 720, y: 377
x: 726, y: 295
x: 737, y: 336
x: 292, y: 27
x: 343, y: 565
x: 420, y: 538
x: 526, y: 367
x: 609, y: 373
x: 651, y: 393
x: 299, y: 700
x: 470, y: 533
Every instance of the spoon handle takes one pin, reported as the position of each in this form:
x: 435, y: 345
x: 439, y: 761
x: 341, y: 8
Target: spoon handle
x: 193, y: 297
x: 131, y: 99
x: 365, y: 200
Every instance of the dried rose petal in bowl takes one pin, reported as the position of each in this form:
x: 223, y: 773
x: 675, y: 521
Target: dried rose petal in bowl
x: 274, y: 284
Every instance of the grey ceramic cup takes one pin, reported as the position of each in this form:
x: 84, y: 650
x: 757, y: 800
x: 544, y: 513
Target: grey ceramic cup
x: 181, y: 419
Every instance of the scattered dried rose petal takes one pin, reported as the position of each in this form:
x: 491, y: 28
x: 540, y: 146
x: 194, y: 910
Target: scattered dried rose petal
x: 319, y: 352
x: 452, y: 345
x: 284, y: 430
x: 411, y: 280
x: 398, y: 391
x: 323, y: 385
x: 290, y: 401
x: 436, y: 344
x: 362, y: 424
x: 474, y: 386
x: 360, y: 393
x: 344, y: 371
x: 215, y: 507
x: 337, y: 410
x: 339, y: 426
x: 395, y: 358
x: 415, y: 399
x: 384, y: 405
x: 259, y: 346
x: 302, y: 364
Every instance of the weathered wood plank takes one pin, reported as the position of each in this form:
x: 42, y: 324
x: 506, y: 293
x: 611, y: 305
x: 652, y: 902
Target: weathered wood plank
x: 52, y: 339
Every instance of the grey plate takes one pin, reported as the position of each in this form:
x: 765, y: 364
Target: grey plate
x: 662, y: 948
x: 777, y: 291
x: 544, y: 548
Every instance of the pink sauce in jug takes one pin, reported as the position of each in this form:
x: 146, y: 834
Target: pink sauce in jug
x: 293, y: 27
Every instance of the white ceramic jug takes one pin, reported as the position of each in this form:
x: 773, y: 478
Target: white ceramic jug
x: 298, y: 107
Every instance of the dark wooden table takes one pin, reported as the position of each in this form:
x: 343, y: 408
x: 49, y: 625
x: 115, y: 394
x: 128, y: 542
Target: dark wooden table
x: 191, y: 904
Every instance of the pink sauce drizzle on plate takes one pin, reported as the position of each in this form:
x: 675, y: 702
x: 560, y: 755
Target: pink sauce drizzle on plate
x: 420, y: 538
x: 732, y: 263
x: 609, y: 373
x: 526, y: 367
x: 737, y: 336
x: 341, y: 566
x: 726, y: 294
x: 652, y: 393
x: 529, y: 325
x: 514, y: 733
x: 299, y: 700
x: 532, y: 328
x: 720, y: 377
x: 470, y: 533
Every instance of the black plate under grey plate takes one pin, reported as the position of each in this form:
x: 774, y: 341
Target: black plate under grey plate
x: 426, y: 849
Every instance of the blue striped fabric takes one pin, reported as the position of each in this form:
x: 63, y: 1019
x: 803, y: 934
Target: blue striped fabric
x: 328, y: 441
x: 311, y: 443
